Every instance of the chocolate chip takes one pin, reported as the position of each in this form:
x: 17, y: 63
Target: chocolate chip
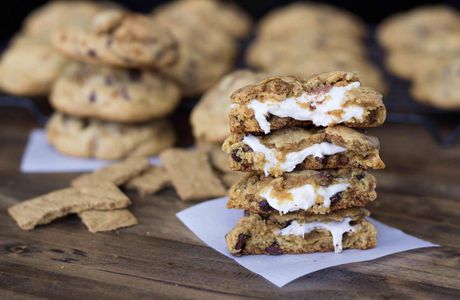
x: 286, y: 224
x: 92, y: 53
x: 124, y: 93
x: 109, y: 41
x: 84, y: 123
x: 322, y: 160
x: 134, y: 75
x: 274, y: 249
x: 343, y: 159
x: 246, y: 148
x: 235, y: 156
x: 242, y: 238
x: 108, y: 80
x: 265, y: 206
x: 336, y: 197
x: 360, y: 176
x: 92, y: 96
x: 323, y: 178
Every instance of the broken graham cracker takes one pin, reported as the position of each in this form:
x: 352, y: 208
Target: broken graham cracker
x: 231, y: 178
x: 46, y: 208
x: 107, y: 220
x: 191, y: 174
x: 153, y: 180
x: 118, y: 173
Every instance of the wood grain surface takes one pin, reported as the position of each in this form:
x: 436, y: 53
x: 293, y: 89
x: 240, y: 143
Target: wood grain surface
x: 419, y: 193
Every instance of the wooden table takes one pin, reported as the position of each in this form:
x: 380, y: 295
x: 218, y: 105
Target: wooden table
x: 419, y: 192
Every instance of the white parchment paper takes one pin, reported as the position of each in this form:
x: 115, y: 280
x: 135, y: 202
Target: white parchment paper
x: 40, y: 157
x: 211, y: 220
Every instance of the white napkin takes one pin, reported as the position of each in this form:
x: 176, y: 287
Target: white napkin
x: 211, y: 220
x: 40, y: 157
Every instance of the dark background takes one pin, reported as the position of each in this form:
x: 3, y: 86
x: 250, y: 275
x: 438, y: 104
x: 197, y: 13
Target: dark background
x: 372, y: 11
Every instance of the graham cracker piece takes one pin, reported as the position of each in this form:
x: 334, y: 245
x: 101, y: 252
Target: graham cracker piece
x: 191, y: 174
x: 46, y: 208
x: 230, y: 178
x: 118, y: 173
x: 150, y: 182
x: 107, y: 220
x: 219, y: 159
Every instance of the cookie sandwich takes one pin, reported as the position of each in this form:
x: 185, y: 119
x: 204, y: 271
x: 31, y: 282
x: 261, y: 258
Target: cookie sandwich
x: 306, y: 163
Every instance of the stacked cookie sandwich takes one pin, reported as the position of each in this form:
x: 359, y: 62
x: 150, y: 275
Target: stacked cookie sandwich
x: 303, y: 39
x: 110, y: 103
x: 308, y: 182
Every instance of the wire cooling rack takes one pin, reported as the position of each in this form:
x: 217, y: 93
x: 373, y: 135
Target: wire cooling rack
x: 444, y: 126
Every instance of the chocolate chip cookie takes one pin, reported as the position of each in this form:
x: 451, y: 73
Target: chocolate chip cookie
x: 204, y: 54
x: 211, y: 14
x: 45, y: 20
x: 122, y: 95
x: 310, y: 192
x: 209, y: 118
x: 106, y: 140
x: 298, y: 148
x: 119, y: 38
x: 297, y: 233
x: 326, y: 99
x: 411, y: 29
x: 439, y: 86
x: 298, y: 17
x: 30, y: 66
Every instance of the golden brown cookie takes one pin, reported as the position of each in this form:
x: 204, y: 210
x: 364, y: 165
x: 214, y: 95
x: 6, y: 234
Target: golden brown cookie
x: 326, y: 99
x: 318, y: 62
x: 300, y: 16
x: 204, y: 55
x: 121, y: 95
x: 108, y: 140
x: 299, y: 148
x: 439, y: 86
x: 46, y: 19
x: 30, y: 66
x: 209, y: 117
x: 118, y: 38
x: 294, y: 234
x: 308, y: 191
x: 212, y: 14
x: 266, y: 51
x: 412, y: 28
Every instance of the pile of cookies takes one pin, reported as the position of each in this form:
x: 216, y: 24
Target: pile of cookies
x: 308, y: 182
x: 303, y: 39
x: 109, y: 103
x: 423, y: 45
x: 30, y: 65
x: 114, y: 75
